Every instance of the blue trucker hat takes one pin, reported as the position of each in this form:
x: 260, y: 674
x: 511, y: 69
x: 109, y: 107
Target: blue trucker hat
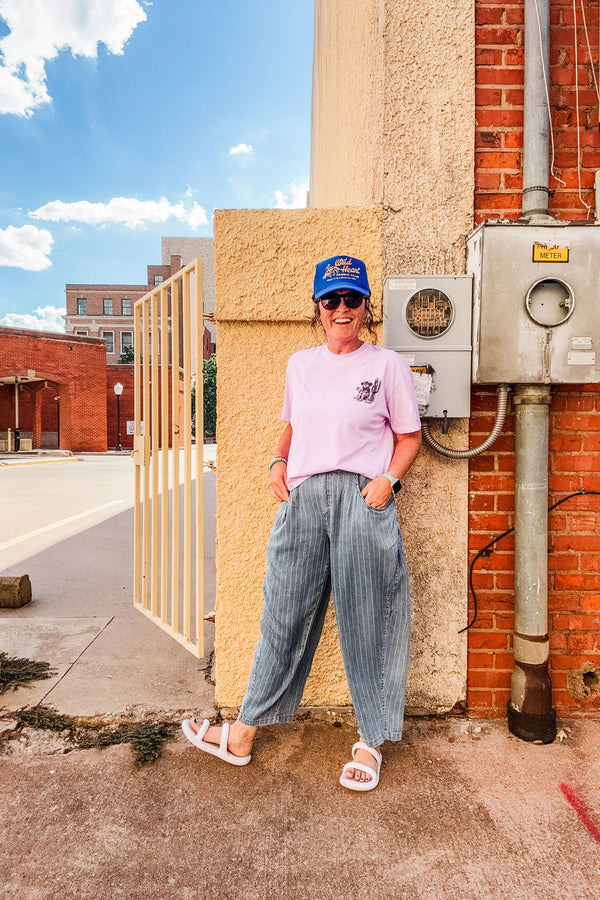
x: 341, y: 272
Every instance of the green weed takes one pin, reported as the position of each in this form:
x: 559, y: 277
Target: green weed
x: 146, y: 741
x: 15, y: 672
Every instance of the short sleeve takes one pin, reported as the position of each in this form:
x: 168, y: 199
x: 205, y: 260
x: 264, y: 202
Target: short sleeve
x: 402, y: 402
x: 286, y: 411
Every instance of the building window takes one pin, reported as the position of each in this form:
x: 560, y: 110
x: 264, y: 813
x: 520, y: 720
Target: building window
x: 82, y: 333
x: 126, y: 340
x: 125, y: 307
x: 107, y: 305
x: 81, y: 306
x: 158, y: 279
x: 109, y: 337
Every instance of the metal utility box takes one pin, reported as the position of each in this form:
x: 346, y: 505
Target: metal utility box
x: 536, y: 303
x: 427, y: 319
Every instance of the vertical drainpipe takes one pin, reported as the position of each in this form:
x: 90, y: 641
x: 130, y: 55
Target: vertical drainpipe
x: 536, y: 121
x: 530, y: 713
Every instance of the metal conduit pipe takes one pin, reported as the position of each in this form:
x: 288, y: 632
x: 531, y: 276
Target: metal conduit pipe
x: 536, y: 119
x: 430, y: 441
x: 530, y: 713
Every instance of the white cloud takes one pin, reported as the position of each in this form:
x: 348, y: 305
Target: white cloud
x: 27, y: 247
x: 44, y: 318
x: 41, y: 29
x: 295, y: 199
x: 121, y: 211
x: 241, y: 149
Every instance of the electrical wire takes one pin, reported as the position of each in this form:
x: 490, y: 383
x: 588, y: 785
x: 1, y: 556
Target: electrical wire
x: 581, y: 200
x: 539, y: 25
x: 485, y: 551
x: 587, y: 40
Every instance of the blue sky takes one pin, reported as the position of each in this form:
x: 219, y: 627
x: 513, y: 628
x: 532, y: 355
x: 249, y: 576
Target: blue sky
x: 122, y: 121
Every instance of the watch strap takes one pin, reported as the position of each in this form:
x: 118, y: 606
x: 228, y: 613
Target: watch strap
x: 395, y: 482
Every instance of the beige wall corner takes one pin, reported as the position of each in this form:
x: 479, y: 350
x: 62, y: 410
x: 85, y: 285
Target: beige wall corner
x: 429, y: 134
x: 346, y: 157
x: 264, y: 265
x: 412, y: 148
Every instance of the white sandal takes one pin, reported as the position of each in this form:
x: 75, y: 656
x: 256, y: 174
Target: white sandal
x: 196, y: 738
x: 351, y: 783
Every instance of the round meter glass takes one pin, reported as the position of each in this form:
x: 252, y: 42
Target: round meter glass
x: 429, y: 313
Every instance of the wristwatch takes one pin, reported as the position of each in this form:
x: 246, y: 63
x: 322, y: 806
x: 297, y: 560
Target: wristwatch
x: 395, y: 482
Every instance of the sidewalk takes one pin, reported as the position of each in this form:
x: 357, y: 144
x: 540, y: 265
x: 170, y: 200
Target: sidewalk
x: 460, y: 814
x: 111, y: 662
x: 464, y: 811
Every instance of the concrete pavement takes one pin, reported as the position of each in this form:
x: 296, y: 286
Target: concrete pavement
x: 464, y: 810
x: 70, y: 527
x: 459, y: 813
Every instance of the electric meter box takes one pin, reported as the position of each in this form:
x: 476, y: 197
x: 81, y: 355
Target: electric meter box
x: 536, y: 303
x: 427, y: 319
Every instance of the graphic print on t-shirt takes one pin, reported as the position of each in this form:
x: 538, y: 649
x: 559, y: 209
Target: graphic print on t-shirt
x: 367, y: 390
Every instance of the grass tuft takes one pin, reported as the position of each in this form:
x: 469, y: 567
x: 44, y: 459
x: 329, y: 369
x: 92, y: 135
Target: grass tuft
x: 16, y: 672
x: 146, y: 741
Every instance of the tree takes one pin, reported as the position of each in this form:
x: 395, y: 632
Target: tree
x: 127, y: 356
x: 209, y: 369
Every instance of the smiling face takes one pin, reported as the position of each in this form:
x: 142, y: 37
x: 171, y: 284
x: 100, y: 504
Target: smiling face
x: 342, y: 325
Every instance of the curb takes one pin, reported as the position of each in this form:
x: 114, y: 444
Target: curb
x: 40, y: 462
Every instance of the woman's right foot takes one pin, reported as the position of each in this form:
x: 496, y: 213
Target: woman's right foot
x: 241, y: 737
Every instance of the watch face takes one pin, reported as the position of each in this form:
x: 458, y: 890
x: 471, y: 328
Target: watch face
x: 429, y: 313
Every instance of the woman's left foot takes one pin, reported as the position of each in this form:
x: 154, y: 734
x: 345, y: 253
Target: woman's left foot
x: 367, y: 759
x: 362, y: 774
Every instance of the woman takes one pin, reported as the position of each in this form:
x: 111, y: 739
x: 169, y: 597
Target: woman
x: 352, y: 432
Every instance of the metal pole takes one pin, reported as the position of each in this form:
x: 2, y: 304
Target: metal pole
x: 17, y: 443
x: 530, y: 713
x: 536, y: 116
x: 119, y: 422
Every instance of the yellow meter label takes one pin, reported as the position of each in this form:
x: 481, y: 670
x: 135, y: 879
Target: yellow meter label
x: 420, y: 370
x: 555, y: 254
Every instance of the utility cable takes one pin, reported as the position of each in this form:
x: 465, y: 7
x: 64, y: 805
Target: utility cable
x: 539, y: 25
x: 449, y: 453
x: 486, y: 551
x: 587, y: 40
x: 582, y: 201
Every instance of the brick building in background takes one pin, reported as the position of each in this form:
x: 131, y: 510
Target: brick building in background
x: 574, y: 527
x: 106, y: 310
x: 60, y: 391
x: 54, y: 387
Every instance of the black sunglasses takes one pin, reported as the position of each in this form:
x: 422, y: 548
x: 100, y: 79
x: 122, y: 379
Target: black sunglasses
x: 351, y: 301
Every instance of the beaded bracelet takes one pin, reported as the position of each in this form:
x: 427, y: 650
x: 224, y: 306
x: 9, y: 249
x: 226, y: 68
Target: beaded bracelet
x: 277, y: 459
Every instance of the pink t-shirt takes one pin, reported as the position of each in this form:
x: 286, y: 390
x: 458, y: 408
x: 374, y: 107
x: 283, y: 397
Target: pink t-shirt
x: 345, y: 409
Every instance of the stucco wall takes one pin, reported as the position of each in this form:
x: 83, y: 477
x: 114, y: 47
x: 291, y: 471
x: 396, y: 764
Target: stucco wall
x: 347, y: 104
x: 401, y: 133
x: 264, y: 265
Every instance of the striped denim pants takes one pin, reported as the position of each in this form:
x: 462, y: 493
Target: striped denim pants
x: 326, y: 538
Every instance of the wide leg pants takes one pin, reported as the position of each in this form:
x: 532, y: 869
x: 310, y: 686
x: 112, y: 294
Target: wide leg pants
x: 326, y: 538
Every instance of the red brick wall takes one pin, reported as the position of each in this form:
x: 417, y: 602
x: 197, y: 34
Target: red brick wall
x: 573, y: 561
x: 95, y: 294
x: 499, y: 114
x: 574, y: 541
x: 77, y: 366
x: 125, y: 376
